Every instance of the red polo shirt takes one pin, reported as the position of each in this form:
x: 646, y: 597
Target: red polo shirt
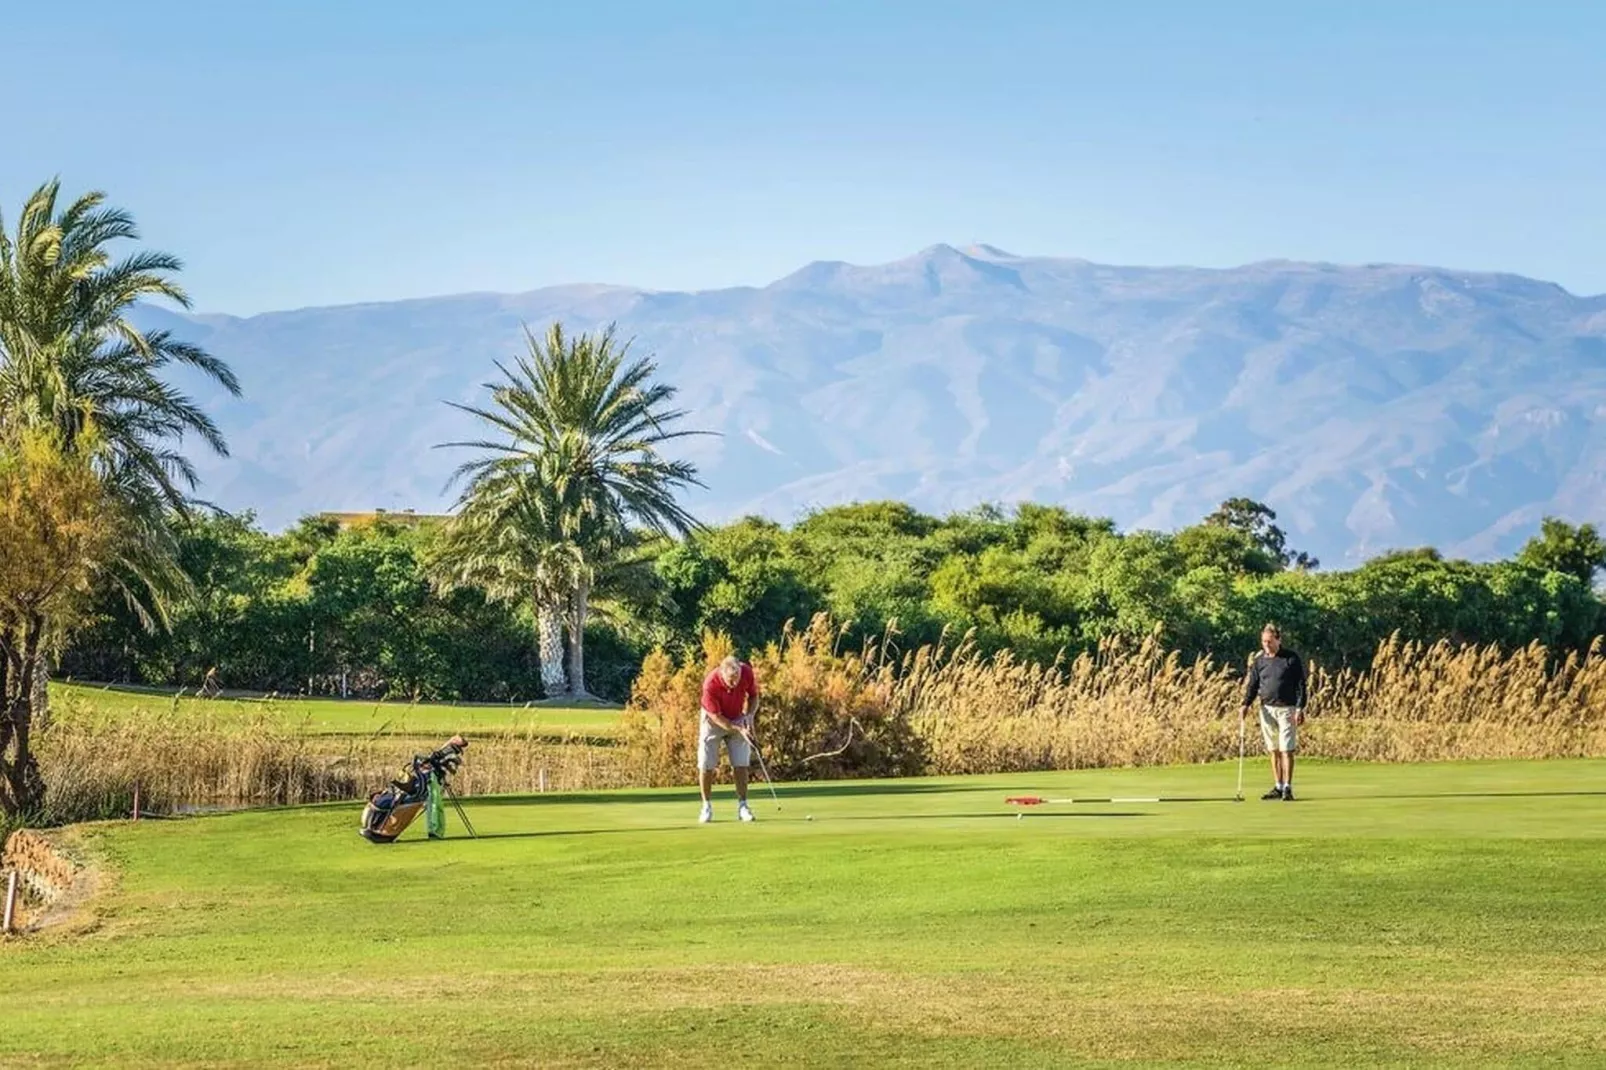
x: 728, y: 702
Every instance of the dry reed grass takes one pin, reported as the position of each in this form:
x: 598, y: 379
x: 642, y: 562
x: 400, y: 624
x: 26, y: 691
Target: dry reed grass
x: 250, y: 755
x: 951, y: 711
x: 823, y: 712
x: 874, y: 711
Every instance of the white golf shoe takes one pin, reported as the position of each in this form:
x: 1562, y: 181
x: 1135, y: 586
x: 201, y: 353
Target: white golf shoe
x: 743, y: 812
x: 707, y: 815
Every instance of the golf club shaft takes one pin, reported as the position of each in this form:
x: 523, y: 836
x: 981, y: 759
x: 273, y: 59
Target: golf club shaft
x: 1243, y: 723
x: 765, y: 770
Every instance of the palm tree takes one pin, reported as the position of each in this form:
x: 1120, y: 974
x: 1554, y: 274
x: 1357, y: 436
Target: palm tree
x: 70, y: 356
x: 578, y: 469
x: 74, y: 363
x: 507, y: 541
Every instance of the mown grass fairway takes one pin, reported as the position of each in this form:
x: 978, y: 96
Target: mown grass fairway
x: 1415, y: 915
x: 323, y: 716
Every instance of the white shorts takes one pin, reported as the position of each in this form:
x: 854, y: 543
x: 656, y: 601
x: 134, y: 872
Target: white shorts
x: 709, y: 736
x: 1277, y: 728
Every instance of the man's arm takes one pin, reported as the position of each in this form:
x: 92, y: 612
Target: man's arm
x: 710, y: 706
x: 751, y: 712
x: 1251, y: 683
x: 1303, y: 677
x: 720, y: 721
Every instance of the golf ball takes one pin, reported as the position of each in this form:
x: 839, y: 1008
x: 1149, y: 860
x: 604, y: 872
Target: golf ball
x: 811, y: 817
x: 1019, y: 816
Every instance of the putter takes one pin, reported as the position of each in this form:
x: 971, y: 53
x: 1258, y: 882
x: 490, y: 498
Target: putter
x: 765, y: 771
x: 1242, y: 722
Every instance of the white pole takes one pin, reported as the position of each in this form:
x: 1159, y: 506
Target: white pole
x: 543, y: 779
x: 11, y: 902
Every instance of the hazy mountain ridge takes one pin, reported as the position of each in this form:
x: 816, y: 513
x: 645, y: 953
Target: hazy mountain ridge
x: 1372, y: 406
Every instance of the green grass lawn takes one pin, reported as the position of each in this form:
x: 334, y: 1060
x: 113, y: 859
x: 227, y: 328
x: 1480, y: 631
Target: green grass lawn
x: 322, y: 716
x: 1408, y: 915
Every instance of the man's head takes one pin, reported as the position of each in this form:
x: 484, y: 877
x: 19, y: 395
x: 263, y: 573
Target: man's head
x: 730, y: 670
x: 1271, y: 638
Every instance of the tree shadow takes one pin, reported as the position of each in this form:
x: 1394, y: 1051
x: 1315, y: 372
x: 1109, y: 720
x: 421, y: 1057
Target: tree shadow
x: 757, y: 791
x: 771, y: 820
x: 1471, y: 795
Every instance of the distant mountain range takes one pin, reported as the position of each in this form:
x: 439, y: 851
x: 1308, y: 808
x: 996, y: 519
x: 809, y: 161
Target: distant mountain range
x: 1373, y: 407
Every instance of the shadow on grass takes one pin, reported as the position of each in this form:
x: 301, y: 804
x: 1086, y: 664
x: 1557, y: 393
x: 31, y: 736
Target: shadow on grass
x: 770, y: 820
x: 756, y: 792
x: 1469, y: 795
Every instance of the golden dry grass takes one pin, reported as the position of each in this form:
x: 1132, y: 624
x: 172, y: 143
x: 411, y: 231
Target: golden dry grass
x: 193, y: 757
x: 952, y: 711
x: 830, y: 712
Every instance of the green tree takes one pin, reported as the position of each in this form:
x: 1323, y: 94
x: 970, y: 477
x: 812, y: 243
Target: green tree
x: 744, y: 579
x: 74, y: 363
x: 1255, y: 519
x: 1562, y: 547
x: 1131, y: 586
x: 58, y: 529
x: 552, y: 504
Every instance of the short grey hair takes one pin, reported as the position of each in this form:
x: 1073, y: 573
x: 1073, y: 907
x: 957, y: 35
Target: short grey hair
x: 730, y: 663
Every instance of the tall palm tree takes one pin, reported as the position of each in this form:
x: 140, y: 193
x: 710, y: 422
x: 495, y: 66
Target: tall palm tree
x: 583, y: 427
x: 70, y: 355
x: 73, y: 362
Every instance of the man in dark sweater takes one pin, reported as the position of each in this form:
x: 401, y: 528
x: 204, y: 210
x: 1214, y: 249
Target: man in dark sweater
x: 1277, y: 678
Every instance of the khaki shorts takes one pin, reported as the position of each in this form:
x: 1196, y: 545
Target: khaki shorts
x: 1277, y: 728
x: 709, y: 736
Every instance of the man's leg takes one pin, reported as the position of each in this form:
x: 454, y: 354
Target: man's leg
x: 741, y: 756
x: 707, y: 764
x: 1268, y: 736
x: 1290, y: 742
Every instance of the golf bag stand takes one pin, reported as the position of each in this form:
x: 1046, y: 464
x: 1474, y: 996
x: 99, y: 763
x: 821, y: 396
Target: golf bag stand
x: 419, y: 787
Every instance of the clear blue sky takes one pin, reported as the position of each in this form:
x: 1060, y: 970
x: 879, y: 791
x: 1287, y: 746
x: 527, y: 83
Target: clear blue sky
x: 298, y: 152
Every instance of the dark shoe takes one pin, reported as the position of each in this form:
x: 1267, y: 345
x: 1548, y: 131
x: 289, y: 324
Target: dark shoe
x: 1274, y: 793
x: 1288, y: 794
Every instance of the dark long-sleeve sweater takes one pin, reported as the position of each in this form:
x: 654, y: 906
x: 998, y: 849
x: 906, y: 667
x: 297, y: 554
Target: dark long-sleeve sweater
x: 1276, y: 679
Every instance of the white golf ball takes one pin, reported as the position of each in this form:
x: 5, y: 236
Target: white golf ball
x: 1019, y: 816
x: 811, y: 817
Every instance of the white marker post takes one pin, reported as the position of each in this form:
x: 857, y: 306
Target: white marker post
x: 11, y: 902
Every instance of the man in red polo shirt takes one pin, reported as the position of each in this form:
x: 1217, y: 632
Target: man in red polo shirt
x: 730, y: 706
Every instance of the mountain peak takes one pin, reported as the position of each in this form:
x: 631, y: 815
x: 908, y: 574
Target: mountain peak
x: 983, y: 251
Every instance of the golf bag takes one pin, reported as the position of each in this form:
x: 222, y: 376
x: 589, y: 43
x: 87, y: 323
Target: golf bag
x: 419, y: 787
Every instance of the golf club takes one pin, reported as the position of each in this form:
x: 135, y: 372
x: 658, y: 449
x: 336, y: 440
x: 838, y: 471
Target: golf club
x: 1242, y: 723
x: 762, y: 768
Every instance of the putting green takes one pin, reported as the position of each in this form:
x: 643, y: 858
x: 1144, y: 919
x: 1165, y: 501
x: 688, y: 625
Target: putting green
x: 1412, y: 915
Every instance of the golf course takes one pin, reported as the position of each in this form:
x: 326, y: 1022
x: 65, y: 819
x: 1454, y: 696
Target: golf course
x: 342, y: 717
x: 1399, y: 914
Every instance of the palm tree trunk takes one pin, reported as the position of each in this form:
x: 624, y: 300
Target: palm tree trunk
x: 22, y: 789
x: 549, y: 640
x: 41, y: 692
x: 579, y: 605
